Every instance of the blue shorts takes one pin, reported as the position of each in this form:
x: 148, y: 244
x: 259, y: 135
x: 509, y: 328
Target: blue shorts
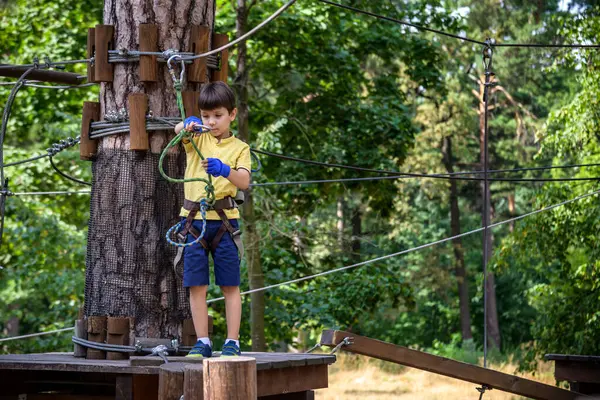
x: 225, y: 257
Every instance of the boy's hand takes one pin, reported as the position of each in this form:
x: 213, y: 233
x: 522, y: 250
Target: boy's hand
x: 216, y: 167
x: 192, y: 124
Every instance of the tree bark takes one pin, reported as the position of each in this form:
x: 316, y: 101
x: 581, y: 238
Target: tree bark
x: 340, y: 223
x: 356, y: 232
x: 129, y: 268
x: 459, y: 258
x: 256, y: 277
x: 494, y: 339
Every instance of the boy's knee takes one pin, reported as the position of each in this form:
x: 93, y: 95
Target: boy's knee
x: 198, y: 289
x: 230, y: 289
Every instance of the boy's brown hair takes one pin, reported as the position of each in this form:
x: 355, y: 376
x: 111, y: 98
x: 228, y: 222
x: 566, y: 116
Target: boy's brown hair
x: 216, y: 94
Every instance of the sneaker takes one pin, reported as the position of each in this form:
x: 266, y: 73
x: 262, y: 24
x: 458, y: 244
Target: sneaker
x: 230, y: 349
x: 200, y: 350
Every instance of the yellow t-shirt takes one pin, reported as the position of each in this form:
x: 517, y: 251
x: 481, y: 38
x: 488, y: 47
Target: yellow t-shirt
x: 232, y: 152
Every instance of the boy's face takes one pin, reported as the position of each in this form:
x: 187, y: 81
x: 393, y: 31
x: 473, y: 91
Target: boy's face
x: 218, y: 120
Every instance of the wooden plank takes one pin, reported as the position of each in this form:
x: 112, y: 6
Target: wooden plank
x: 218, y: 40
x: 87, y: 146
x: 103, y: 42
x: 577, y: 371
x: 145, y: 387
x: 117, y: 332
x: 274, y: 382
x: 190, y: 105
x: 138, y: 106
x: 148, y: 39
x: 124, y: 387
x: 198, y: 44
x: 80, y: 332
x: 42, y: 75
x: 96, y: 333
x: 445, y: 366
x: 91, y: 47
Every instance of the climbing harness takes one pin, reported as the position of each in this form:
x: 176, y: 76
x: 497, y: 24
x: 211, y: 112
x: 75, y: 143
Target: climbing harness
x: 185, y: 227
x: 210, y: 190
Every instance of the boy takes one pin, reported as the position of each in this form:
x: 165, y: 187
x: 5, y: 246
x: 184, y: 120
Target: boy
x: 227, y: 159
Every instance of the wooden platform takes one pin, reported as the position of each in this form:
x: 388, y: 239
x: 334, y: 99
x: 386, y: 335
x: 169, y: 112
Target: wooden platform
x: 283, y: 375
x: 582, y: 372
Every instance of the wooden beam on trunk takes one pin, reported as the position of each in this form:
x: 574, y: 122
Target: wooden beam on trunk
x: 42, y: 75
x: 447, y: 367
x: 219, y: 40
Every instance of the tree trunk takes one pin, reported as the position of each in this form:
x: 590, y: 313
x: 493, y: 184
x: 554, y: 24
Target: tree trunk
x: 356, y: 232
x: 511, y: 211
x: 459, y: 266
x: 256, y: 277
x: 129, y: 264
x: 492, y: 323
x: 340, y: 224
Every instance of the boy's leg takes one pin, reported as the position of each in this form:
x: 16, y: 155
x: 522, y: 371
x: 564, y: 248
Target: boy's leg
x: 227, y: 276
x: 233, y: 310
x: 199, y: 310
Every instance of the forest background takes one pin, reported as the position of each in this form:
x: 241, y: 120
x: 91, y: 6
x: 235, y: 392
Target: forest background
x: 331, y: 85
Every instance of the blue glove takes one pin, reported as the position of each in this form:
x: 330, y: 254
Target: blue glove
x: 191, y: 119
x: 216, y: 168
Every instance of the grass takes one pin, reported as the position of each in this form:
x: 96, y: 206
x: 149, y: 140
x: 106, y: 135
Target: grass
x: 355, y: 377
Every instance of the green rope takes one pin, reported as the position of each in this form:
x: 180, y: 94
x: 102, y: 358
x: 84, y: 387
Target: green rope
x: 209, y: 188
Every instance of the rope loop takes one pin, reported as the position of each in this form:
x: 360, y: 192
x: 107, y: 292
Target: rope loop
x: 177, y: 228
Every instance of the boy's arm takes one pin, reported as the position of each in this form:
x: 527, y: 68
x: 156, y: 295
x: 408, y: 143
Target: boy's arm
x: 240, y: 178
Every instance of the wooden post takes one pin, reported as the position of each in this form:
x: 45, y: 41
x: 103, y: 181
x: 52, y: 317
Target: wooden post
x: 117, y: 331
x: 91, y: 47
x: 220, y: 39
x: 88, y: 147
x: 43, y: 75
x: 80, y: 332
x: 188, y: 332
x: 190, y: 103
x: 229, y: 378
x: 148, y: 37
x: 138, y: 105
x: 170, y: 381
x: 193, y: 386
x: 198, y: 45
x: 103, y: 42
x: 96, y: 333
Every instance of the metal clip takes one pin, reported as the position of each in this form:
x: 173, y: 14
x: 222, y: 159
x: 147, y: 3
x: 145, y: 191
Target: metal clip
x: 162, y: 351
x: 488, y: 52
x: 482, y: 390
x: 346, y: 342
x: 172, y: 69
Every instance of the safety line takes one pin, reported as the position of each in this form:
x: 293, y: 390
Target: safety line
x: 398, y: 21
x: 360, y: 264
x: 50, y: 193
x: 463, y: 38
x: 450, y: 176
x: 36, y: 334
x: 244, y: 36
x: 67, y: 176
x: 58, y: 87
x: 304, y: 278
